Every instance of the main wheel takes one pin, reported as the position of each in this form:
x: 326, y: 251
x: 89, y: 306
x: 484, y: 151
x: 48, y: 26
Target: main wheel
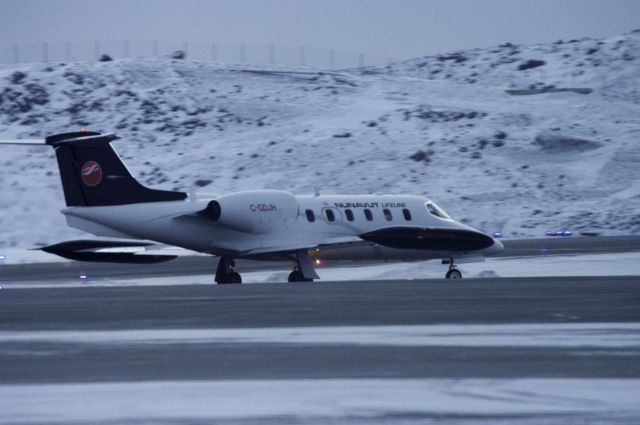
x: 297, y: 276
x: 232, y: 277
x: 454, y: 274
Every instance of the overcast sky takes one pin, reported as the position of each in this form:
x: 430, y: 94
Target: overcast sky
x: 393, y: 28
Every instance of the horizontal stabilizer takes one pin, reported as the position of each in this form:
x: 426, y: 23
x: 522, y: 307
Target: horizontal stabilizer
x: 22, y: 142
x: 92, y: 250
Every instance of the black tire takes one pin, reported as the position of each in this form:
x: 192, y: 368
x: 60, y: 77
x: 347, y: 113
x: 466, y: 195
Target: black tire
x: 454, y: 274
x: 297, y: 276
x: 230, y: 278
x: 235, y: 277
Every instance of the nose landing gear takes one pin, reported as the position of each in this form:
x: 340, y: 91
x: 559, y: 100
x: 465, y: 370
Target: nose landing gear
x: 453, y: 272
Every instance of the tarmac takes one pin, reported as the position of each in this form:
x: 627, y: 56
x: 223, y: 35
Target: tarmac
x: 537, y: 335
x: 470, y: 302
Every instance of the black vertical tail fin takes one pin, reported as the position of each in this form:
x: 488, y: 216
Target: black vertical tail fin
x: 93, y: 174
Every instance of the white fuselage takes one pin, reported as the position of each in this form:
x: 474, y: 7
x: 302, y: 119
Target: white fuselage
x: 258, y: 222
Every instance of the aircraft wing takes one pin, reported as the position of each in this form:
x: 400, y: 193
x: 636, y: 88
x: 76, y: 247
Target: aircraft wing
x: 108, y: 251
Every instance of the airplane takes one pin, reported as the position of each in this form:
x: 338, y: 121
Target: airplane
x: 103, y: 198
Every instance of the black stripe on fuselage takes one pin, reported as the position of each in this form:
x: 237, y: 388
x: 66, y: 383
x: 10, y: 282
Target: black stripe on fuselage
x: 456, y: 240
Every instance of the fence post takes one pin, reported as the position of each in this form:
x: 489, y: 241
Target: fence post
x: 154, y: 48
x: 272, y: 54
x: 125, y: 48
x: 45, y: 52
x: 214, y: 52
x: 16, y: 53
x: 303, y: 56
x: 243, y: 53
x: 332, y: 59
x: 360, y: 60
x: 96, y: 47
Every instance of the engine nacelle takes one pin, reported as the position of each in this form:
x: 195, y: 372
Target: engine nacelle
x: 262, y: 211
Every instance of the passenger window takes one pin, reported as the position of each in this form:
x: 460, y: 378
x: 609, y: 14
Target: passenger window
x: 387, y: 214
x: 330, y: 215
x: 349, y: 214
x: 310, y: 216
x: 407, y: 214
x: 368, y: 215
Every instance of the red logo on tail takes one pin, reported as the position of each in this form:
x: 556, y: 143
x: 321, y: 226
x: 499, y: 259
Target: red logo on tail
x: 91, y: 173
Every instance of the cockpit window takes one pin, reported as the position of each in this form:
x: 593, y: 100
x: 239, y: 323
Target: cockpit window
x: 436, y: 210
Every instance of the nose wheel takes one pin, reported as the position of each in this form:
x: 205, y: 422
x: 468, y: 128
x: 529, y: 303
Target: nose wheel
x: 453, y: 272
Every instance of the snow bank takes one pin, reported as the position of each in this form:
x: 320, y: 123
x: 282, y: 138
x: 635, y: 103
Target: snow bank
x: 199, y: 126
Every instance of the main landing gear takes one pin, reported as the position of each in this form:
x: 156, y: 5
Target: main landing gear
x: 297, y: 276
x: 304, y: 270
x: 226, y: 272
x: 453, y: 272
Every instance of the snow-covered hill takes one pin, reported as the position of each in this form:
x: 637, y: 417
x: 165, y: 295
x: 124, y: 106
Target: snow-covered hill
x: 442, y: 126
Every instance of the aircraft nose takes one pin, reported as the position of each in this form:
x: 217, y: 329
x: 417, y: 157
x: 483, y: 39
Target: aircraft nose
x: 495, y: 248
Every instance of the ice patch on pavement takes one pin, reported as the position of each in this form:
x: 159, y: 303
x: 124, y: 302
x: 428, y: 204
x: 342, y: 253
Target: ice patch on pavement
x: 569, y: 335
x: 318, y: 401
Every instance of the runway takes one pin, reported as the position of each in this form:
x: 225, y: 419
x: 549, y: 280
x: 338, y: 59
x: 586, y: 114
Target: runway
x: 526, y: 350
x: 537, y: 350
x: 401, y: 302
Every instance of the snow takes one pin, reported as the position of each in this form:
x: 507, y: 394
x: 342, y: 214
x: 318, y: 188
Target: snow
x: 560, y: 265
x: 567, y: 335
x: 25, y: 256
x: 321, y: 401
x: 192, y: 125
x: 620, y: 264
